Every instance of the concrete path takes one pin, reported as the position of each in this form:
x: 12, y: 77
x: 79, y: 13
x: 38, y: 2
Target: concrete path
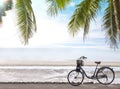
x: 57, y: 86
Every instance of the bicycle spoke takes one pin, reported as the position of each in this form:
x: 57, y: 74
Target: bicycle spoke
x: 75, y: 78
x: 105, y: 75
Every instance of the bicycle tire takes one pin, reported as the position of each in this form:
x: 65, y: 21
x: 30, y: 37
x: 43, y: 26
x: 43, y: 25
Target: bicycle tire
x: 105, y: 73
x: 76, y: 77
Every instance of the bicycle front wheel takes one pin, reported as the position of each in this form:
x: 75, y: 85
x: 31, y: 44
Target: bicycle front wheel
x: 105, y: 75
x: 75, y: 78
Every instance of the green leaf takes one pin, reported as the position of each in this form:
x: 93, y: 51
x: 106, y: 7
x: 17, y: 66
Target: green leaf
x: 110, y: 26
x: 84, y: 13
x: 55, y: 5
x: 26, y: 19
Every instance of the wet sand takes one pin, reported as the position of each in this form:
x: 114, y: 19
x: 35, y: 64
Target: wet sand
x: 59, y: 63
x: 57, y: 86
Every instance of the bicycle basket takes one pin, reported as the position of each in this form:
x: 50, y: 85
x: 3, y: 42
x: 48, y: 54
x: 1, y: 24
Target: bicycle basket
x: 80, y: 63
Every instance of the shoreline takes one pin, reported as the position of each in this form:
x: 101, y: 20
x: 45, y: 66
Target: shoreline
x: 63, y: 63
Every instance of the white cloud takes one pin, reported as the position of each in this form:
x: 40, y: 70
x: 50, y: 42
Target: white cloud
x: 72, y: 4
x: 8, y: 31
x: 50, y: 31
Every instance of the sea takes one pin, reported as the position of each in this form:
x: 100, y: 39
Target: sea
x: 58, y: 54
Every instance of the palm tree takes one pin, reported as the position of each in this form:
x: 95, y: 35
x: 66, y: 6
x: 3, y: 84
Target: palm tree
x: 86, y: 11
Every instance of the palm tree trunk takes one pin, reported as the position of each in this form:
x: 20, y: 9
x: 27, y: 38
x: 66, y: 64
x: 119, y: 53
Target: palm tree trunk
x: 116, y: 4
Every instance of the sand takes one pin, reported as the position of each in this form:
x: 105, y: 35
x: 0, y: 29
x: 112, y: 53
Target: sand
x: 59, y: 63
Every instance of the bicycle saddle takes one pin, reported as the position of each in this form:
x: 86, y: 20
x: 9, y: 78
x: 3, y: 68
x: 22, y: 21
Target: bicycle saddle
x: 97, y: 62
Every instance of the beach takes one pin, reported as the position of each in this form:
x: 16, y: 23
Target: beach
x: 43, y: 74
x: 57, y: 86
x: 51, y: 75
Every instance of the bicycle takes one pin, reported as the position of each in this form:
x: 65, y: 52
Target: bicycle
x: 104, y: 75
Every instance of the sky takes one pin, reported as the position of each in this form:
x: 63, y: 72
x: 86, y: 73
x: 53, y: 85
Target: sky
x: 52, y: 32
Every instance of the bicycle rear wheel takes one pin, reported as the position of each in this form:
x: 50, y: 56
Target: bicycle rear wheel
x: 75, y: 78
x: 105, y: 75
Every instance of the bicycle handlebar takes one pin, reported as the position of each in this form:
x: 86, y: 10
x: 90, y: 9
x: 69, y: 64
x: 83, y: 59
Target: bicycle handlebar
x: 83, y: 57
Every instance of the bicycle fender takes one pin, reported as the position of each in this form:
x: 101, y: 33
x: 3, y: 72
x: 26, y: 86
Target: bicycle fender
x: 105, y: 67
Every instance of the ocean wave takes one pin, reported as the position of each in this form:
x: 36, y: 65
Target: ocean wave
x: 44, y: 74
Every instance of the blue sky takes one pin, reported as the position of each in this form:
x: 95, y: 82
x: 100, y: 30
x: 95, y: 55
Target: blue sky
x: 57, y: 27
x: 50, y: 31
x: 53, y: 32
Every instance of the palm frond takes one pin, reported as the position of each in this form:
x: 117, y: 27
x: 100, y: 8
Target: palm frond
x: 5, y: 6
x: 55, y: 5
x: 1, y: 13
x: 31, y: 13
x: 8, y: 5
x: 110, y: 26
x: 26, y: 19
x: 84, y: 13
x: 116, y: 6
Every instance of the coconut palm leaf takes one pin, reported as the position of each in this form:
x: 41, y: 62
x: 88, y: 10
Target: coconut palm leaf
x: 26, y: 19
x: 116, y: 6
x: 4, y: 6
x: 110, y: 26
x: 55, y: 5
x: 1, y: 13
x: 8, y: 5
x: 84, y: 13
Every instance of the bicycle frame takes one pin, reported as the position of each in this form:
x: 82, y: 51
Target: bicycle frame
x: 90, y: 77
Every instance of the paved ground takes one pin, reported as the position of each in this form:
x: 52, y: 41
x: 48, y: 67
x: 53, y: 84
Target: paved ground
x: 57, y: 86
